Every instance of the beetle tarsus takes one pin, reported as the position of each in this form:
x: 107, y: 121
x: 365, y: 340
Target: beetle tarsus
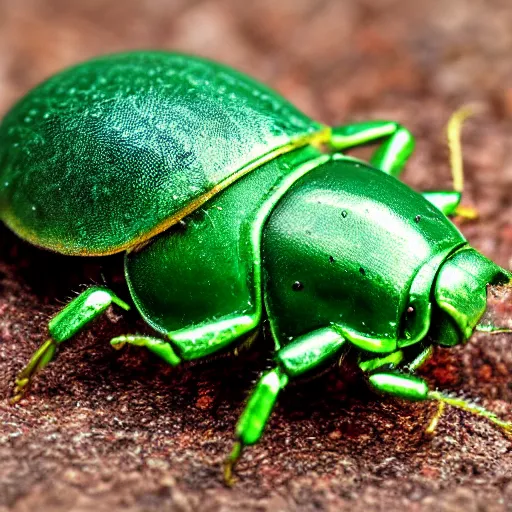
x: 230, y: 463
x: 43, y: 355
x: 466, y: 213
x: 430, y: 430
x: 20, y: 389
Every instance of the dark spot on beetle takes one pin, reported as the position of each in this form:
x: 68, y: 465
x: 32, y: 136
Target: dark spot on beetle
x: 331, y: 259
x: 362, y: 271
x: 180, y: 226
x: 297, y: 286
x: 344, y: 213
x: 417, y: 218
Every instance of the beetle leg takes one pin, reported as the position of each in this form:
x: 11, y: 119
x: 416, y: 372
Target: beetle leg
x: 409, y: 387
x: 204, y: 340
x: 396, y: 360
x: 445, y: 200
x: 389, y: 361
x: 448, y: 201
x: 420, y: 359
x: 158, y: 346
x: 390, y: 156
x: 79, y: 312
x: 306, y: 353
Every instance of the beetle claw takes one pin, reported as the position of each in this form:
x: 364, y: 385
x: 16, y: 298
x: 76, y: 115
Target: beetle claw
x: 22, y: 384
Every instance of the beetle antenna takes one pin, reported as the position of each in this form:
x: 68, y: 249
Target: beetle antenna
x: 492, y: 329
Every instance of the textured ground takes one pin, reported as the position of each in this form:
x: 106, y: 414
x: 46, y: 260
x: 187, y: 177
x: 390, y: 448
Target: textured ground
x: 104, y: 430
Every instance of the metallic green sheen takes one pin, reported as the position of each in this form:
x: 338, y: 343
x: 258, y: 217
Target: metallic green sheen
x: 102, y: 153
x: 356, y: 240
x: 80, y: 311
x: 309, y: 352
x: 202, y: 270
x: 255, y: 416
x: 230, y: 212
x: 158, y: 346
x: 407, y: 387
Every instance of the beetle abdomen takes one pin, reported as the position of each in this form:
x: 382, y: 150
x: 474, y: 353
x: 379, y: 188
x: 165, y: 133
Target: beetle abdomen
x: 106, y: 154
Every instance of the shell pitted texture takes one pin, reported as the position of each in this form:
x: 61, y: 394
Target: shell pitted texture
x: 101, y: 154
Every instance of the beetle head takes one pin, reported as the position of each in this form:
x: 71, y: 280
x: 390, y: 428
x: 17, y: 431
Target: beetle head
x: 460, y: 292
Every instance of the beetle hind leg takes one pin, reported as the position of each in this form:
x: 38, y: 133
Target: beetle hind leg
x: 41, y: 357
x: 77, y: 314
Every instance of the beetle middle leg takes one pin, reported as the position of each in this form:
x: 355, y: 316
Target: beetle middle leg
x: 306, y: 353
x: 160, y: 347
x: 77, y: 314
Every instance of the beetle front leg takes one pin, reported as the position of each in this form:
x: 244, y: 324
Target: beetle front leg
x: 79, y: 312
x: 306, y: 353
x: 413, y: 388
x: 392, y: 154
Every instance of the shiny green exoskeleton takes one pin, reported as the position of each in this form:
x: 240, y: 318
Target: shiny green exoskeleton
x: 232, y: 207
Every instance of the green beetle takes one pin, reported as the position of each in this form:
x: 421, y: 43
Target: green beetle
x: 232, y: 206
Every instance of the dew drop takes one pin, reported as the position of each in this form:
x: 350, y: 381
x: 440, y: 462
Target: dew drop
x: 362, y: 271
x: 344, y: 213
x: 417, y: 218
x: 331, y: 259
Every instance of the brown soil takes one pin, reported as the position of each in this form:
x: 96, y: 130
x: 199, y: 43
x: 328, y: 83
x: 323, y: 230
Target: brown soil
x: 104, y: 430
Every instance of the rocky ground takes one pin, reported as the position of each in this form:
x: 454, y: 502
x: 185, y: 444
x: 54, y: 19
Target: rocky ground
x: 104, y: 430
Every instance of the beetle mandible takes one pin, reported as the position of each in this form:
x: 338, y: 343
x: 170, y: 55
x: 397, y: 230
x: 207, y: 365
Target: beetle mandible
x: 336, y: 253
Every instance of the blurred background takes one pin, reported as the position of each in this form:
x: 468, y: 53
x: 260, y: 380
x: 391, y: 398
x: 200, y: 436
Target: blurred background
x: 109, y: 432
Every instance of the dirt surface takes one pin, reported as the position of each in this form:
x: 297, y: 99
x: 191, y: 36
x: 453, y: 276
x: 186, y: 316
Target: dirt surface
x: 104, y: 430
